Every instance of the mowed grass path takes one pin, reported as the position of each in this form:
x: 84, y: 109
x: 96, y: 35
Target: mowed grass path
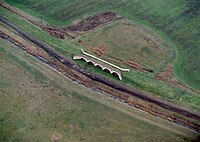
x: 36, y: 107
x: 179, y: 20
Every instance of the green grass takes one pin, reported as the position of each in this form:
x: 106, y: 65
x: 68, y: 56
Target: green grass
x: 178, y: 20
x: 10, y: 57
x: 134, y: 78
x: 128, y: 42
x: 35, y: 111
x: 147, y: 83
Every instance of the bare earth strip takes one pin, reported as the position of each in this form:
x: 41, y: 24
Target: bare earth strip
x: 72, y: 31
x: 107, y: 82
x: 67, y: 31
x: 101, y: 97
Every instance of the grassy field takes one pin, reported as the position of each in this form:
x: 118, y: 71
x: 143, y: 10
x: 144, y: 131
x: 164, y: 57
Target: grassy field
x: 124, y: 42
x: 37, y: 104
x: 178, y: 20
x: 134, y: 78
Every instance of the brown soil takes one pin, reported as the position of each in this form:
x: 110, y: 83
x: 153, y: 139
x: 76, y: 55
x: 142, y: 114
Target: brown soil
x: 150, y: 107
x: 100, y: 50
x: 23, y: 43
x: 93, y: 21
x: 44, y: 26
x: 85, y: 25
x: 102, y: 18
x: 133, y: 64
x: 54, y: 32
x: 56, y: 136
x: 167, y: 76
x: 67, y: 31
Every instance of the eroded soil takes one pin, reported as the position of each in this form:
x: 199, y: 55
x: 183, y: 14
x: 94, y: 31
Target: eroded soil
x: 74, y: 75
x: 94, y: 21
x: 154, y: 107
x: 67, y: 31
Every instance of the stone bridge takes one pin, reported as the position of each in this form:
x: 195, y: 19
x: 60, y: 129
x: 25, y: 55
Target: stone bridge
x: 104, y: 65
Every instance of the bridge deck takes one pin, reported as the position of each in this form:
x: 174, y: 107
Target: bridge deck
x: 99, y: 64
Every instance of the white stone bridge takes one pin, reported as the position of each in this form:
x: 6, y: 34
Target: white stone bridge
x: 104, y: 65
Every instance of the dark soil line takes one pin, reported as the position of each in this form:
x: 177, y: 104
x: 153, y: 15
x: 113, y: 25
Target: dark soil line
x: 115, y: 94
x: 53, y: 31
x: 108, y: 82
x: 93, y: 21
x: 86, y: 24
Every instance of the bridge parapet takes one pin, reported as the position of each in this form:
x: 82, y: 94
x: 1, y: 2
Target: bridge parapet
x: 104, y: 65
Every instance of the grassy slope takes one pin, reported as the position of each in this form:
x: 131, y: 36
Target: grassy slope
x: 126, y: 41
x: 133, y: 78
x: 179, y: 19
x: 36, y: 110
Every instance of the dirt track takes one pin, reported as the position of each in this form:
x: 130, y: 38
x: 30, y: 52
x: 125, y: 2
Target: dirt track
x: 93, y: 21
x: 108, y: 82
x: 66, y: 31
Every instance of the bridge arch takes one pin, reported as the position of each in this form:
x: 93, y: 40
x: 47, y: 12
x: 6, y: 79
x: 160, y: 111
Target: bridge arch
x: 99, y: 66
